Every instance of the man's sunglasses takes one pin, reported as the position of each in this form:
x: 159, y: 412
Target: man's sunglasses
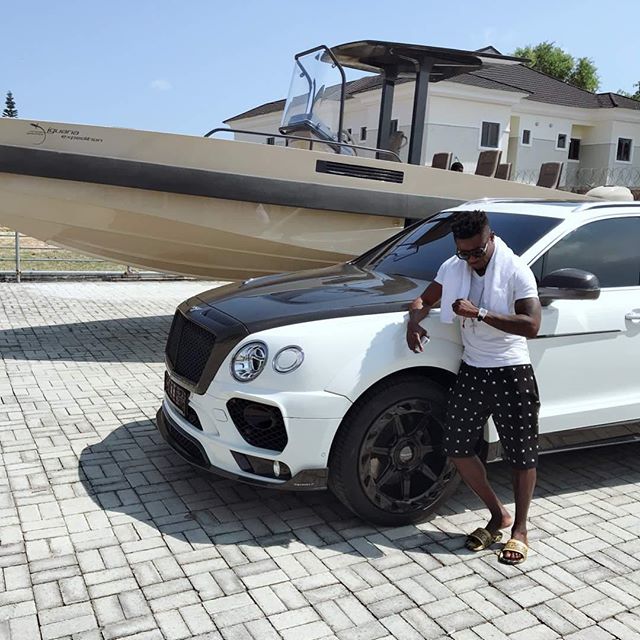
x: 474, y: 253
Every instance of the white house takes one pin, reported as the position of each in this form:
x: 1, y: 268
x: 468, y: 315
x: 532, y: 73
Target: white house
x: 531, y: 117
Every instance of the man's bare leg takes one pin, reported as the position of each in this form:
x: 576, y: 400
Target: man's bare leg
x: 524, y: 482
x: 474, y: 475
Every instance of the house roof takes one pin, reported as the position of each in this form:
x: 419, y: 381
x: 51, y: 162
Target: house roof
x: 616, y: 100
x: 544, y: 88
x: 502, y: 77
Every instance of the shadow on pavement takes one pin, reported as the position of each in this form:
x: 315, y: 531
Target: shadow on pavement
x: 132, y: 471
x: 137, y: 339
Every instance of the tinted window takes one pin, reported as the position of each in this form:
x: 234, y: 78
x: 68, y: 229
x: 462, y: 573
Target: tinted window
x: 608, y: 248
x: 574, y: 149
x: 623, y: 153
x: 420, y: 253
x: 490, y: 135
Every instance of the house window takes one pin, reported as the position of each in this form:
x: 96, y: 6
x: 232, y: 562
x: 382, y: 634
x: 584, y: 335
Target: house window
x: 526, y: 137
x: 271, y: 140
x: 561, y: 143
x: 490, y: 135
x: 574, y: 149
x: 394, y: 127
x: 363, y: 133
x: 624, y: 150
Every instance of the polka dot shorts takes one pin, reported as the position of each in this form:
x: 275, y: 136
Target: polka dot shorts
x: 510, y: 395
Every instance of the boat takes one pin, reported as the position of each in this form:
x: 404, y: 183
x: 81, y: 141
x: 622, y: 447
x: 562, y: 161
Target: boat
x: 229, y: 209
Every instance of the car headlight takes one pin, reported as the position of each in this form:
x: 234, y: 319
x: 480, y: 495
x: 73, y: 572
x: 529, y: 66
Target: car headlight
x: 249, y: 361
x: 288, y: 359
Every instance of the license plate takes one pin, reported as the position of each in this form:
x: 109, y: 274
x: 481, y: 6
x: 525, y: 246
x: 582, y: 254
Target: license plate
x: 177, y: 395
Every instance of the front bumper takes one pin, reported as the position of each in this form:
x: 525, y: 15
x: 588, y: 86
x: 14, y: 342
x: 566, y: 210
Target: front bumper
x: 190, y: 448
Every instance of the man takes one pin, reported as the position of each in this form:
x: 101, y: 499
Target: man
x: 494, y: 296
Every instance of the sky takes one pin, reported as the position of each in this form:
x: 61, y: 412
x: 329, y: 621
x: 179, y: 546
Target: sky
x: 184, y: 67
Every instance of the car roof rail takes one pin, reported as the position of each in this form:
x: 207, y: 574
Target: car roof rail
x: 589, y: 206
x: 545, y: 201
x: 485, y: 200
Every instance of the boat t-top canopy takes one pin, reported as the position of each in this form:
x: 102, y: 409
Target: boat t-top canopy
x: 376, y: 56
x: 395, y: 60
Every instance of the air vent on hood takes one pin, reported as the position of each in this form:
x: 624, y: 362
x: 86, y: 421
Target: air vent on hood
x: 359, y: 171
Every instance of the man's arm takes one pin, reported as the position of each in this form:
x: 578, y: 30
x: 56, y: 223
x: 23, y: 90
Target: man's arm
x: 525, y: 322
x: 418, y: 311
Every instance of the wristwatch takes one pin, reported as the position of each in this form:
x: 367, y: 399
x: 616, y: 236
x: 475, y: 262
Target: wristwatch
x: 481, y: 314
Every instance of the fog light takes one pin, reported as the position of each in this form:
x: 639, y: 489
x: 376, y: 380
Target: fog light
x: 262, y: 466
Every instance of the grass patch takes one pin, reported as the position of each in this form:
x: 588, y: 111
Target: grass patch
x: 36, y: 255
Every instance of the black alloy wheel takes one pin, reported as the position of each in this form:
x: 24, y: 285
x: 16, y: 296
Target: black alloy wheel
x: 387, y: 463
x: 401, y: 464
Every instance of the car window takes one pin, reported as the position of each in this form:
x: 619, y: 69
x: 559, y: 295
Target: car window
x: 420, y: 253
x: 607, y: 248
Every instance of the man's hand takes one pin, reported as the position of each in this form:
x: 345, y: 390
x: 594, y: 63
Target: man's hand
x: 465, y: 308
x: 414, y: 334
x: 418, y: 311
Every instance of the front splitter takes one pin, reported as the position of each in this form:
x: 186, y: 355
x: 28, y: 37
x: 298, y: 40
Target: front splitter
x: 193, y: 452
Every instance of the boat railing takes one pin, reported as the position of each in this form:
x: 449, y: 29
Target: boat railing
x: 381, y: 154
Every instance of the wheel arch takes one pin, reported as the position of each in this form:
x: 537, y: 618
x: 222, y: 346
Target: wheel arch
x: 345, y: 479
x: 443, y: 377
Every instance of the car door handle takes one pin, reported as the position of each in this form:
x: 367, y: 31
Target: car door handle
x: 633, y: 315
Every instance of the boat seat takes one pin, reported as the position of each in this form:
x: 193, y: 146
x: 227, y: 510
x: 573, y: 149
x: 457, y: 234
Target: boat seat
x: 397, y: 140
x: 503, y: 171
x: 441, y: 160
x: 550, y: 173
x: 488, y: 162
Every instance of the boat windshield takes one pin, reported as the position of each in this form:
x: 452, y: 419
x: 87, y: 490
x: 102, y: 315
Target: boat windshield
x: 315, y: 96
x: 420, y: 251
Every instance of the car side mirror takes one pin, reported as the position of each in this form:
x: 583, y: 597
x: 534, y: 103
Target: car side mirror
x: 568, y: 284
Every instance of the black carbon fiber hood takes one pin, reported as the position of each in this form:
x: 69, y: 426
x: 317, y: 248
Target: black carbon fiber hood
x: 341, y: 290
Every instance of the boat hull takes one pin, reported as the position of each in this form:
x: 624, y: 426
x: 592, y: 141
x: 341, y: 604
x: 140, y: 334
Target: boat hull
x: 210, y: 238
x: 214, y: 208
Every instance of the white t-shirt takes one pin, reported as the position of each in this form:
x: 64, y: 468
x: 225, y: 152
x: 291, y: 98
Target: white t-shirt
x: 485, y: 346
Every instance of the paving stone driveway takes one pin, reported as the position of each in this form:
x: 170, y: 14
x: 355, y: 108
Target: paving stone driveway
x: 106, y: 534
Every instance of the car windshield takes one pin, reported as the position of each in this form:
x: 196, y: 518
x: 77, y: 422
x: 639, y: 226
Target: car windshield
x: 420, y: 252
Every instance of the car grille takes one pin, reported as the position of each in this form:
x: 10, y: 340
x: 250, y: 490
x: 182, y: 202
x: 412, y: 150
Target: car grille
x: 188, y: 348
x: 261, y: 425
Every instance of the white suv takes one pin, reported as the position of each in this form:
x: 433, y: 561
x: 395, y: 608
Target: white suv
x: 304, y: 380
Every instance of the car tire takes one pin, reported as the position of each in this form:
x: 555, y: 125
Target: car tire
x: 387, y: 463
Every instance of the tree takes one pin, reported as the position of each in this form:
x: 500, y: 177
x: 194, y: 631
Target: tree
x: 10, y: 110
x: 635, y: 95
x: 585, y: 75
x: 556, y: 62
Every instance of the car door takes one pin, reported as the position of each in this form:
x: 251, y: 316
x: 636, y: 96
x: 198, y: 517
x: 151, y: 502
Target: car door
x: 587, y: 352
